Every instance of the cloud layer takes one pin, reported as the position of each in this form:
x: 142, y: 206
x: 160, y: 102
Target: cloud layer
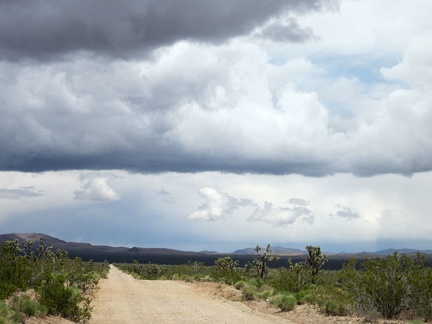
x: 200, y: 123
x: 219, y: 114
x: 241, y: 107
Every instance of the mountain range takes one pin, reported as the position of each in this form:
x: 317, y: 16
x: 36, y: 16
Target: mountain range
x: 78, y: 248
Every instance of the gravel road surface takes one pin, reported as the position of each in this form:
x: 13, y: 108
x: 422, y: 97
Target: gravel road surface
x: 124, y: 299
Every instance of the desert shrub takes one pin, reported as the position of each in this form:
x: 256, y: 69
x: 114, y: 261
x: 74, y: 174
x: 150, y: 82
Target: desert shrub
x: 86, y: 282
x: 265, y: 294
x: 191, y: 270
x: 186, y: 278
x: 240, y: 284
x: 227, y: 269
x: 62, y: 300
x: 249, y: 293
x: 265, y: 287
x: 15, y: 269
x: 390, y: 286
x: 335, y: 308
x: 26, y: 305
x: 422, y: 296
x: 84, y: 275
x: 294, y: 278
x: 152, y: 271
x: 332, y: 300
x: 286, y: 302
x: 58, y: 280
x: 306, y: 296
x: 256, y: 282
x: 8, y: 315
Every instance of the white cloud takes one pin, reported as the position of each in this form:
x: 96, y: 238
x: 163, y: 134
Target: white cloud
x: 96, y: 188
x: 415, y: 69
x: 217, y: 206
x: 282, y: 216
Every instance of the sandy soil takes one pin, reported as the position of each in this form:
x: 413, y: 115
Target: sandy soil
x: 124, y: 299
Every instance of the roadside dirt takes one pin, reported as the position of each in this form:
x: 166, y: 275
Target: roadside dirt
x: 124, y: 299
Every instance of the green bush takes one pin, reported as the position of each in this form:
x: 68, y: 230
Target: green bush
x: 265, y: 294
x: 58, y: 280
x: 335, y: 308
x: 186, y: 278
x: 249, y: 293
x: 15, y: 269
x: 391, y: 285
x: 292, y: 279
x: 239, y: 285
x: 306, y: 296
x: 227, y: 269
x: 65, y: 301
x: 333, y: 300
x: 26, y: 305
x: 8, y: 315
x: 285, y: 302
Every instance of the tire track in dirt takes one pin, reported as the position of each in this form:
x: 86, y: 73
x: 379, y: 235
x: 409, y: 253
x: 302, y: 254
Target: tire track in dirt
x: 124, y: 299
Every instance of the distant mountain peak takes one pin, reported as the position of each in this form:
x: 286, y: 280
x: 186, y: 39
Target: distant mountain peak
x: 276, y: 250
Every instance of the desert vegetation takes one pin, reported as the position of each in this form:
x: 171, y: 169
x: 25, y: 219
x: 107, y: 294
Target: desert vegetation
x: 40, y: 281
x: 397, y: 286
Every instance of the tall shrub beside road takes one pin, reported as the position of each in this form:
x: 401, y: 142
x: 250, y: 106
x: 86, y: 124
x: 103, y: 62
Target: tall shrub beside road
x: 391, y: 285
x: 59, y: 282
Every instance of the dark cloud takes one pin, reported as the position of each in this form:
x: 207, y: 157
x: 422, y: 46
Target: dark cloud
x: 30, y: 29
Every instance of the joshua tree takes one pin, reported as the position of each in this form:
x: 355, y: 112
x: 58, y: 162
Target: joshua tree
x: 267, y: 256
x: 315, y: 260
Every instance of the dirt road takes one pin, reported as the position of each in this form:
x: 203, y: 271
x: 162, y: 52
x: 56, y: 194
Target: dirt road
x: 124, y: 299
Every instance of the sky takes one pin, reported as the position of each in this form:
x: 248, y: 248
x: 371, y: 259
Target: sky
x: 218, y: 125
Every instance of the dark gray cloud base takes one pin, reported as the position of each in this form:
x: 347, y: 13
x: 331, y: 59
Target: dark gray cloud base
x: 43, y: 29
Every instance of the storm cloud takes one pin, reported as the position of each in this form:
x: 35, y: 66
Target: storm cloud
x: 44, y: 29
